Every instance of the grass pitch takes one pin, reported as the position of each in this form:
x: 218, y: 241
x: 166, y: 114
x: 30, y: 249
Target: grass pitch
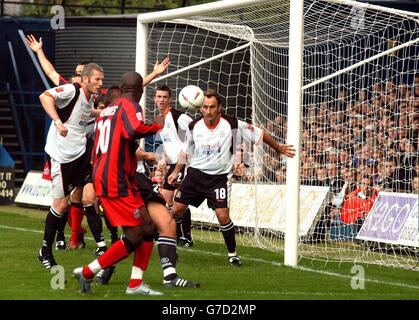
x: 262, y: 276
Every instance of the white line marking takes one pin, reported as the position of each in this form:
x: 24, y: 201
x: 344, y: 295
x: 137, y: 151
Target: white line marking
x: 327, y: 273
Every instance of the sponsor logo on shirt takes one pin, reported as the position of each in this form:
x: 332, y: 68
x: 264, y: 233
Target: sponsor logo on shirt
x: 210, y: 149
x: 84, y: 120
x: 165, y: 139
x: 59, y: 89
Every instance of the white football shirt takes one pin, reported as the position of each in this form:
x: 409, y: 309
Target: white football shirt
x: 212, y: 150
x: 173, y: 136
x: 73, y: 145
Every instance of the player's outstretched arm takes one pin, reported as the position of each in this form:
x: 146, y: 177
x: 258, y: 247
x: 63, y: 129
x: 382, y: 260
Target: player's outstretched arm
x: 48, y: 104
x: 148, y: 156
x: 285, y: 149
x: 159, y: 68
x: 47, y: 67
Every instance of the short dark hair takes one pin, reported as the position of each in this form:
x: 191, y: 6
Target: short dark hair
x: 213, y: 93
x: 83, y: 63
x: 111, y: 95
x: 163, y: 87
x: 100, y: 98
x: 89, y: 68
x: 368, y: 177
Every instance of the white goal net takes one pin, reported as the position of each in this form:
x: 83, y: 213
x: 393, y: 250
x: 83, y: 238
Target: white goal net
x: 359, y: 126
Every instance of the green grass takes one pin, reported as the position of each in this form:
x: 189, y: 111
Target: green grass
x: 262, y: 275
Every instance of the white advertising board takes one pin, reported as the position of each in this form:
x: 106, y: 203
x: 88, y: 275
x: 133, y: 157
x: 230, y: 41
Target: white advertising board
x: 35, y: 190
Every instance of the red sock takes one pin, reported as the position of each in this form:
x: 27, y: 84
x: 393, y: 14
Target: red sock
x: 141, y: 259
x: 77, y: 213
x: 134, y: 283
x: 143, y: 254
x: 87, y: 273
x: 113, y: 255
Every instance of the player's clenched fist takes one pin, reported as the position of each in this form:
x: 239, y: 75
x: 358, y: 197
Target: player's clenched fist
x: 62, y: 130
x: 172, y: 178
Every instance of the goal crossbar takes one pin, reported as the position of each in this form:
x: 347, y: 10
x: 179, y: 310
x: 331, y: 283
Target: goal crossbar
x: 197, y: 64
x: 195, y: 10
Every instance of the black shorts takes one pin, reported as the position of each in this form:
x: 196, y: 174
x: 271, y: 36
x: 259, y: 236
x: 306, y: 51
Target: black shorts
x: 198, y: 186
x: 149, y: 191
x: 179, y: 178
x: 88, y: 176
x: 67, y: 176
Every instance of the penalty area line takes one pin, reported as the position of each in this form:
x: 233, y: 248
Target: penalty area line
x: 326, y: 273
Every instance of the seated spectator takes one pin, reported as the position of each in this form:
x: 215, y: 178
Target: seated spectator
x: 386, y: 172
x: 238, y: 170
x: 372, y: 171
x: 269, y: 167
x: 358, y: 134
x: 157, y: 179
x: 336, y: 182
x: 309, y: 176
x: 361, y: 171
x: 349, y: 178
x: 322, y: 179
x: 281, y: 175
x: 403, y: 93
x: 332, y: 155
x: 415, y: 185
x: 358, y: 203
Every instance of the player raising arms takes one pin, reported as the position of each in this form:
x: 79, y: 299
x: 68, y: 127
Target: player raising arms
x: 69, y: 106
x: 57, y: 79
x: 209, y: 148
x: 77, y: 208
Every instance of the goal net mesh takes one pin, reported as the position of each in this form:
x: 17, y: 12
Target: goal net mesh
x: 358, y: 199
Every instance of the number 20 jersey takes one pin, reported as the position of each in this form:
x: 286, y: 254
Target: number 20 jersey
x: 114, y: 160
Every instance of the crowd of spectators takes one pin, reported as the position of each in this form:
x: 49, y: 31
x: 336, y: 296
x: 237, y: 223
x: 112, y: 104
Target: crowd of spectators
x: 370, y: 135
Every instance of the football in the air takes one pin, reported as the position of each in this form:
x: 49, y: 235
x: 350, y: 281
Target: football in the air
x: 191, y: 97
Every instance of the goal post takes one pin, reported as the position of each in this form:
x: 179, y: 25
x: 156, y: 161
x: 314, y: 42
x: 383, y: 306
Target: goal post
x: 295, y: 77
x: 339, y: 80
